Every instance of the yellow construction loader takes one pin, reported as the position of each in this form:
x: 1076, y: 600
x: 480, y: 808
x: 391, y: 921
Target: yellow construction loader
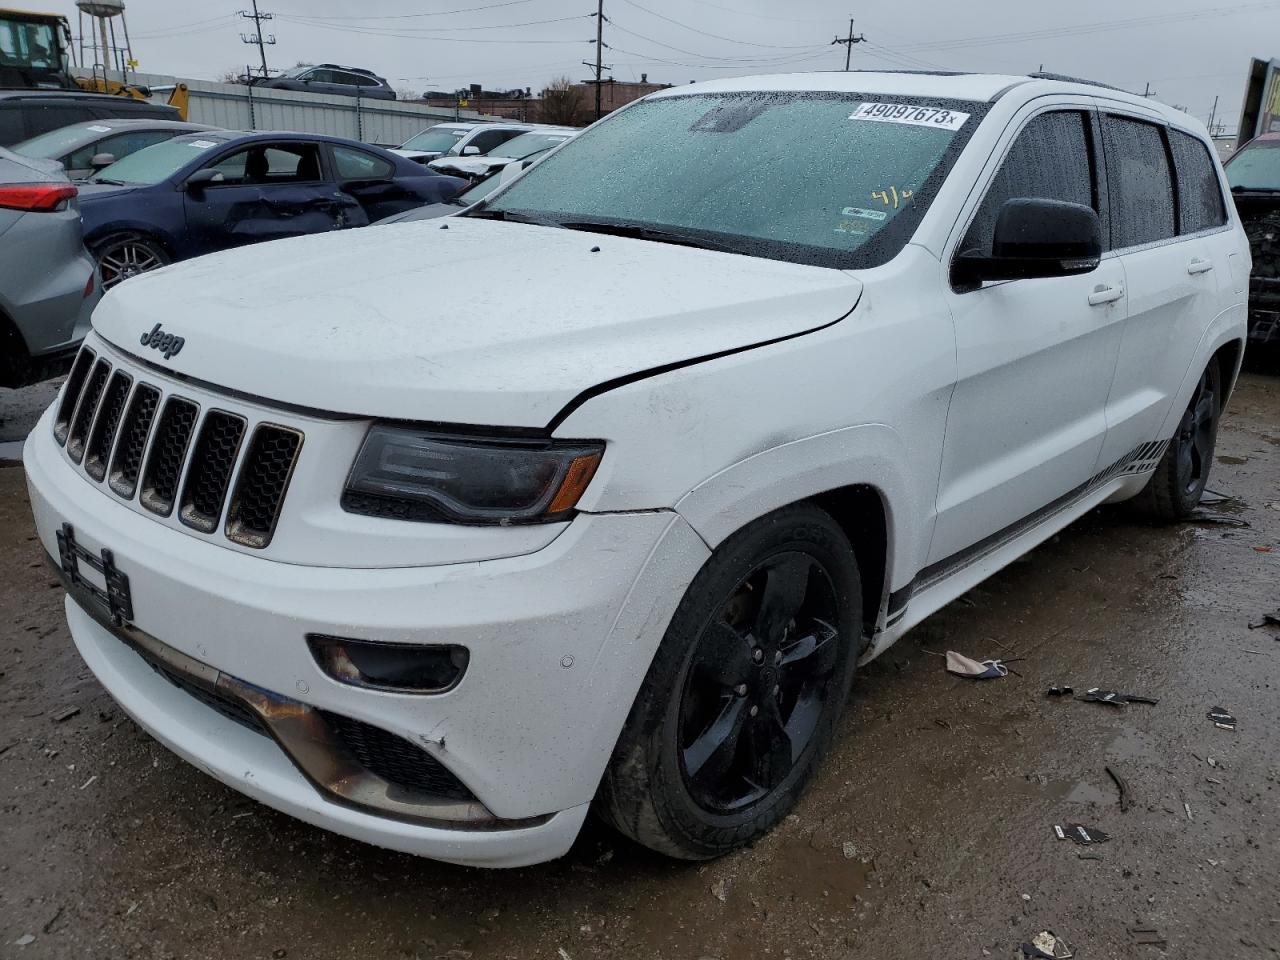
x: 36, y: 54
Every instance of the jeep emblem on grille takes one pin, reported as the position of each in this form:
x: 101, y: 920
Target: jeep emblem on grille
x: 166, y: 343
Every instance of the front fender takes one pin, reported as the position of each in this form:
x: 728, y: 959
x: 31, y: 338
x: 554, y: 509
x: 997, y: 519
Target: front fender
x: 870, y: 455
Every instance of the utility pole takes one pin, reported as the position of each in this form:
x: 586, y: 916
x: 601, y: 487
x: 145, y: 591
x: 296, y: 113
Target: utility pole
x: 1147, y: 91
x: 848, y: 42
x: 261, y: 42
x: 1213, y: 113
x: 599, y: 66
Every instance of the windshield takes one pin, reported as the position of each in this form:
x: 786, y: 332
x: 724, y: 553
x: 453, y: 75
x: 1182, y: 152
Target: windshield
x: 153, y: 164
x: 58, y: 143
x: 530, y: 143
x: 28, y: 44
x: 294, y: 72
x: 1256, y: 167
x: 432, y: 140
x: 826, y: 179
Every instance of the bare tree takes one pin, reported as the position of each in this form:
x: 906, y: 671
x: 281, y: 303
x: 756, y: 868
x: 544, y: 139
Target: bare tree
x: 231, y: 76
x: 563, y: 103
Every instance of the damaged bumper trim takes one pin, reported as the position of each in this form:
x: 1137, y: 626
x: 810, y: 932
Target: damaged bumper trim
x: 300, y: 731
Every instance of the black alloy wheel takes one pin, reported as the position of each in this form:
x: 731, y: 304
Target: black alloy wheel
x: 1179, y: 480
x: 757, y: 683
x: 742, y: 698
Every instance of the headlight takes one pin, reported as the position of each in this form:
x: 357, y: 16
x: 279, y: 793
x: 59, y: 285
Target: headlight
x: 413, y: 475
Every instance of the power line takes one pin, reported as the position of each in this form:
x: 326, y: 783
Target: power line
x: 427, y: 31
x: 399, y: 35
x: 413, y: 16
x: 704, y: 56
x: 714, y: 36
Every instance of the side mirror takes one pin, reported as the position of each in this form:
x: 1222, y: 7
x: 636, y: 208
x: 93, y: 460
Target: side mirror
x: 471, y: 151
x: 202, y: 178
x: 1036, y: 238
x: 100, y: 160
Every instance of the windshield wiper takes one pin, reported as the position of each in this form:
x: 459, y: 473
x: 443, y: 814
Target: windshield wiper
x: 640, y: 232
x: 1239, y: 188
x: 110, y: 183
x: 510, y: 216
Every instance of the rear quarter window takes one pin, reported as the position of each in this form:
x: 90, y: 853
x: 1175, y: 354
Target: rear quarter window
x: 1200, y: 199
x: 1139, y: 182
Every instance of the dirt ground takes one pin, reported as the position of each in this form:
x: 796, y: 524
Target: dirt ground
x: 929, y: 832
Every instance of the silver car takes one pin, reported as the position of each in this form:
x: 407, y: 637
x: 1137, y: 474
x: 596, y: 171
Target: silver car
x: 47, y: 282
x: 85, y: 148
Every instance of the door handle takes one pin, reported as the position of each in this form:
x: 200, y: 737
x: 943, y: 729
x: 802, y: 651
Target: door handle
x: 1199, y: 265
x: 1103, y: 295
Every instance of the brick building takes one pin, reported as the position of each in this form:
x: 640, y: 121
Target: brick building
x: 524, y: 106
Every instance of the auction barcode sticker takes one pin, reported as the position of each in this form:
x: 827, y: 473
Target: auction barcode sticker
x: 910, y: 113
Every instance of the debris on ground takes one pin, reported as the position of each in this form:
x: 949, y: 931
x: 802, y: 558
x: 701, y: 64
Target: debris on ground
x: 1059, y: 691
x: 24, y: 940
x: 1148, y: 936
x: 1047, y: 944
x: 1209, y: 518
x: 1211, y: 498
x: 1096, y: 695
x: 720, y: 891
x: 1122, y: 786
x: 963, y: 666
x: 1080, y: 834
x: 1271, y: 619
x: 849, y: 850
x: 1187, y: 807
x: 1222, y: 719
x: 65, y: 714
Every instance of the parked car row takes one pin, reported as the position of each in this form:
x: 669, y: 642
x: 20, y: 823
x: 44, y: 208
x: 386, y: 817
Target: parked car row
x: 143, y: 190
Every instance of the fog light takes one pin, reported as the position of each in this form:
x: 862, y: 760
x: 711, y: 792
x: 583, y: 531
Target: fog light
x: 395, y: 667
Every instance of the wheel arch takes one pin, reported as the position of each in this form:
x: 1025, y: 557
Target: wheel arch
x: 855, y: 474
x: 1223, y: 342
x: 147, y: 231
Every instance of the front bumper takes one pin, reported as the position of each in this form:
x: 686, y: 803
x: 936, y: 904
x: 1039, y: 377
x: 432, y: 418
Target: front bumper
x: 559, y: 639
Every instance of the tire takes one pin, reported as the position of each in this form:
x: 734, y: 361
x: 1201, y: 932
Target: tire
x: 1175, y: 488
x: 124, y: 255
x: 773, y: 621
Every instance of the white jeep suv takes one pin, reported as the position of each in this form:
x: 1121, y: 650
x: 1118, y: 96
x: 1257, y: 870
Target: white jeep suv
x: 440, y: 534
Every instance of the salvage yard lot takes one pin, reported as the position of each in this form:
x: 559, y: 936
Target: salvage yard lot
x: 928, y: 832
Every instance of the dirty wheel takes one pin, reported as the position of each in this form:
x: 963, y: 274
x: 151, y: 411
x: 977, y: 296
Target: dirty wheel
x: 1178, y: 482
x: 742, y: 698
x: 124, y: 255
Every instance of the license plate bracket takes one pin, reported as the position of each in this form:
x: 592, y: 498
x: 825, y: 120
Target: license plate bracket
x: 116, y: 599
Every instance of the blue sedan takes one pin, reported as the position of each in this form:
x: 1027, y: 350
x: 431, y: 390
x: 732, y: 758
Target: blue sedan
x: 212, y: 190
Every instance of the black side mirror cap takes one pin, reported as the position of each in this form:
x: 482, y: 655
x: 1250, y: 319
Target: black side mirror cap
x: 201, y: 179
x: 1035, y: 238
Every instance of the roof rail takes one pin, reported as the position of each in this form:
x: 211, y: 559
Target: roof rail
x: 1041, y: 75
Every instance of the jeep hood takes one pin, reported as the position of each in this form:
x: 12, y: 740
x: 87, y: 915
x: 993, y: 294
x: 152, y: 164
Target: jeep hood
x: 460, y: 320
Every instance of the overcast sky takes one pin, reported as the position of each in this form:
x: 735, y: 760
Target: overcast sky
x: 1188, y: 53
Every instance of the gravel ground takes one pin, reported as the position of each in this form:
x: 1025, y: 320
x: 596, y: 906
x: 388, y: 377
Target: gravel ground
x: 927, y: 834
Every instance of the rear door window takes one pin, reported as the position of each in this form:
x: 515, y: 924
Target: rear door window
x: 1139, y: 182
x: 358, y: 165
x: 1049, y: 160
x: 1200, y: 203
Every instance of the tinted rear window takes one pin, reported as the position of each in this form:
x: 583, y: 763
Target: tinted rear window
x: 1199, y: 190
x: 1139, y: 182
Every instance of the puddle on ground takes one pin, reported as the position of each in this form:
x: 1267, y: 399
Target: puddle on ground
x: 1068, y: 791
x: 1232, y: 461
x: 1130, y: 745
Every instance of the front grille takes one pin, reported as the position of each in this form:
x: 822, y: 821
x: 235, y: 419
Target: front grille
x: 104, y: 428
x: 168, y: 453
x: 264, y: 478
x: 144, y: 443
x: 71, y: 393
x: 396, y: 760
x: 88, y: 403
x: 211, y: 463
x: 127, y: 463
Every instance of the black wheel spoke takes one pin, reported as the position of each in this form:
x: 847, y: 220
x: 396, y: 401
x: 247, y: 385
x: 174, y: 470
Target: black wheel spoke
x: 725, y: 654
x: 771, y: 748
x: 813, y: 654
x: 713, y: 751
x: 786, y: 581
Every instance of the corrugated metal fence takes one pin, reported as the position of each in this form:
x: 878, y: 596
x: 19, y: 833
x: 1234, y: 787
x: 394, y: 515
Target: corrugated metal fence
x: 238, y: 107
